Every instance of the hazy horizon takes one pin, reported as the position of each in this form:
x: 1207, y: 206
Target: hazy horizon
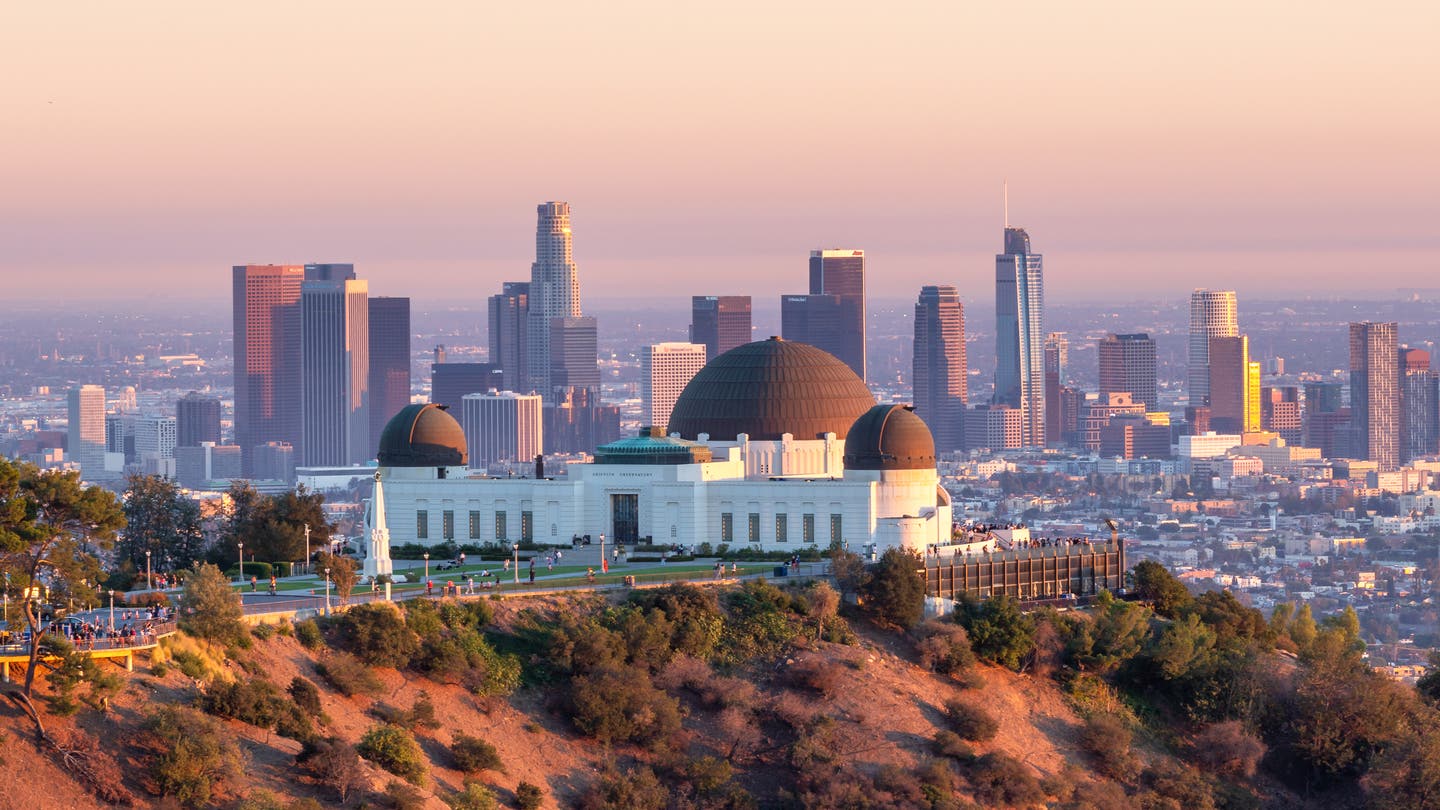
x: 1149, y: 149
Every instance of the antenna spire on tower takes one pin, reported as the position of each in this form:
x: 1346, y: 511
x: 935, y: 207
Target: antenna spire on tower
x: 1006, y: 186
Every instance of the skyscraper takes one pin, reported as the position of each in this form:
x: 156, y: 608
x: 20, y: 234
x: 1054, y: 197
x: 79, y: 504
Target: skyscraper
x: 1228, y: 359
x: 1057, y: 357
x: 509, y: 324
x: 1419, y: 405
x: 85, y: 444
x: 940, y: 374
x: 197, y: 419
x: 450, y: 382
x: 554, y: 310
x: 719, y: 322
x: 1375, y: 393
x: 1020, y: 334
x: 1212, y: 315
x: 155, y: 436
x: 335, y: 359
x: 841, y: 273
x: 389, y: 362
x: 1127, y: 363
x: 665, y: 370
x: 502, y: 426
x: 267, y: 356
x: 1280, y: 412
x: 812, y: 319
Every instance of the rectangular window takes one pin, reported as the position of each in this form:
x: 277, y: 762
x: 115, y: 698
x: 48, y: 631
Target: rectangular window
x: 727, y: 527
x: 754, y: 527
x: 782, y: 528
x: 422, y: 524
x: 807, y: 528
x: 474, y: 524
x: 835, y: 534
x: 447, y: 524
x: 527, y: 526
x: 500, y: 533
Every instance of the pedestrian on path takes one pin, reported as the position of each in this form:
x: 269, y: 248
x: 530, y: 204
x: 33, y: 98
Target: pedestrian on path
x: 429, y: 587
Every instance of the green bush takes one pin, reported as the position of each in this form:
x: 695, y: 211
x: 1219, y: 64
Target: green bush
x: 971, y: 722
x: 945, y: 648
x: 306, y: 696
x: 621, y: 705
x: 475, y: 796
x: 894, y: 591
x: 638, y: 789
x: 348, y: 675
x: 259, y: 570
x: 999, y: 632
x: 377, y: 634
x: 307, y: 632
x: 261, y: 704
x: 473, y: 755
x: 188, y: 754
x: 394, y: 749
x: 528, y: 796
x: 146, y: 599
x: 209, y: 609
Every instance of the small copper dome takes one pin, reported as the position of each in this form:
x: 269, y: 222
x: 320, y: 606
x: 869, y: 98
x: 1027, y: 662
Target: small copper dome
x: 768, y: 388
x: 890, y: 437
x: 423, y: 435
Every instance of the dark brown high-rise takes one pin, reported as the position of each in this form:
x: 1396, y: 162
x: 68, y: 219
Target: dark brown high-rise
x: 267, y: 321
x: 1375, y: 393
x: 832, y: 316
x: 389, y: 361
x: 719, y: 322
x: 509, y: 334
x: 940, y: 372
x: 1127, y: 363
x: 197, y: 419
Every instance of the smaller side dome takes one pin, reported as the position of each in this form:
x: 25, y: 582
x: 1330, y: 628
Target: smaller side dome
x: 889, y: 437
x: 423, y: 435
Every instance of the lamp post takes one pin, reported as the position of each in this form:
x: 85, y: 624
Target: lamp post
x: 426, y: 555
x: 327, y: 591
x: 516, y: 548
x: 240, y: 574
x: 112, y: 610
x: 604, y: 563
x: 6, y: 617
x: 307, y: 548
x: 149, y: 579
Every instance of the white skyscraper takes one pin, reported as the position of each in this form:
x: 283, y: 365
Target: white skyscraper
x: 665, y: 369
x: 155, y: 437
x: 559, y: 339
x: 502, y: 427
x: 86, y: 442
x: 1212, y: 315
x: 335, y: 358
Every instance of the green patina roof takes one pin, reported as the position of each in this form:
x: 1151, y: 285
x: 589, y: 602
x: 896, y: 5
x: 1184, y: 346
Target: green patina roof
x: 652, y: 446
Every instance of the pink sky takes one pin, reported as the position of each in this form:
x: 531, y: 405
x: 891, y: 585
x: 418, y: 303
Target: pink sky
x: 1265, y: 146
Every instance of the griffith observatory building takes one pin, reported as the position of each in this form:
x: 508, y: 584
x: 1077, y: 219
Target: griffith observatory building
x: 774, y: 444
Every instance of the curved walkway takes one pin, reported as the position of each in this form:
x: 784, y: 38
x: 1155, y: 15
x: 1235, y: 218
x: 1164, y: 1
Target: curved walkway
x: 119, y: 650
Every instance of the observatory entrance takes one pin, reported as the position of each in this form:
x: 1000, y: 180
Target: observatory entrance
x: 625, y: 517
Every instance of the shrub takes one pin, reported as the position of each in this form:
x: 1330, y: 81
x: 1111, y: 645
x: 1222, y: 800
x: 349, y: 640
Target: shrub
x: 618, y: 705
x: 999, y: 632
x: 1107, y: 739
x: 261, y: 704
x: 263, y: 631
x: 400, y: 796
x: 259, y: 570
x: 634, y: 790
x: 971, y: 722
x: 814, y: 674
x: 189, y: 754
x: 147, y: 599
x: 948, y: 744
x: 528, y: 796
x: 394, y: 749
x: 306, y: 696
x: 1000, y: 779
x: 894, y: 591
x: 475, y: 796
x: 473, y: 755
x: 308, y: 634
x: 376, y: 634
x: 347, y: 675
x: 945, y: 648
x: 209, y: 609
x: 335, y: 764
x: 1229, y: 748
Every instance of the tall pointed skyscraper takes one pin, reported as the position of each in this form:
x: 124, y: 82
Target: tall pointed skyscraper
x: 560, y: 339
x: 1212, y: 315
x: 939, y: 368
x: 1020, y: 334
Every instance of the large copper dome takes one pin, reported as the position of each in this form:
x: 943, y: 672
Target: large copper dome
x: 890, y: 437
x: 769, y: 388
x: 423, y: 435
